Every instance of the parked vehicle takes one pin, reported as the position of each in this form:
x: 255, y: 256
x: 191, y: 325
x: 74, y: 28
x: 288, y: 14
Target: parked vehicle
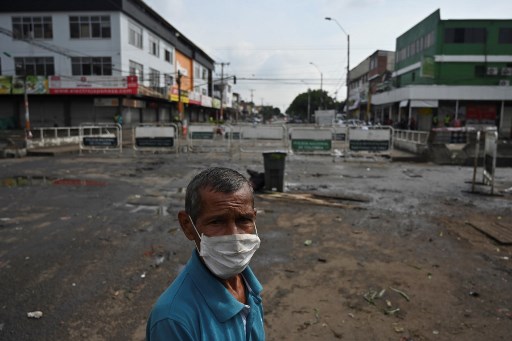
x: 352, y: 122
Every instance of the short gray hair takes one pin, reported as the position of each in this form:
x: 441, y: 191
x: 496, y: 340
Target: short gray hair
x: 217, y: 179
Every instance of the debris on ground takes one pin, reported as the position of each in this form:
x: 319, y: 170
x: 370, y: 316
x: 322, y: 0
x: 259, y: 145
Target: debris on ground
x: 257, y: 180
x: 35, y: 314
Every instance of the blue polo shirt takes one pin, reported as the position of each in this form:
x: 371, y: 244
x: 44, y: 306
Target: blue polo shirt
x: 198, y: 307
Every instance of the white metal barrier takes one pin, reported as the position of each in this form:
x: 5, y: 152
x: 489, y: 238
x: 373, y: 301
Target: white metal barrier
x: 370, y: 141
x: 260, y: 138
x: 156, y: 137
x: 53, y: 136
x: 311, y: 140
x: 208, y: 138
x: 413, y: 136
x: 101, y: 137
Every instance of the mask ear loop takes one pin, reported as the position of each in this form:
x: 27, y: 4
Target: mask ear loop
x: 194, y: 226
x: 255, y: 228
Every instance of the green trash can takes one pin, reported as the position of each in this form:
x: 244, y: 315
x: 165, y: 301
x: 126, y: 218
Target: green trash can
x: 274, y: 170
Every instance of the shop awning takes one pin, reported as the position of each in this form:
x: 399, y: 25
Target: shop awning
x: 404, y: 103
x: 424, y: 103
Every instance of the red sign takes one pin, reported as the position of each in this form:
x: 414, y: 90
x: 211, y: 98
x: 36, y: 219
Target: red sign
x: 481, y: 112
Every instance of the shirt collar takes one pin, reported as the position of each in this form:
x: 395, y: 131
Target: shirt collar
x: 223, y: 305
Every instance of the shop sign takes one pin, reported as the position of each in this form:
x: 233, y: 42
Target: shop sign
x: 106, y: 102
x: 311, y: 145
x: 133, y: 103
x: 92, y: 85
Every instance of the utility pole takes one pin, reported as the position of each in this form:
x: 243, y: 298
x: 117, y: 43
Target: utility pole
x: 28, y: 133
x: 221, y: 91
x: 309, y: 105
x: 180, y: 107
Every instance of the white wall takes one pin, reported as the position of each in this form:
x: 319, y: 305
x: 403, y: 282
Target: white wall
x: 116, y: 47
x: 142, y: 56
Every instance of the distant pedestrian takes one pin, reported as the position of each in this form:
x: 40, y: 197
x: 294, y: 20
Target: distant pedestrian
x: 118, y: 119
x: 412, y: 124
x: 435, y: 121
x: 447, y: 120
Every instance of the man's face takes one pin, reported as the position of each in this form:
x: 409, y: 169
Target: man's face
x: 222, y: 214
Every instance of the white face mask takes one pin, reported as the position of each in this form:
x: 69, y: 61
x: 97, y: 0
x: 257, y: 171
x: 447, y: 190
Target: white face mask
x: 227, y: 256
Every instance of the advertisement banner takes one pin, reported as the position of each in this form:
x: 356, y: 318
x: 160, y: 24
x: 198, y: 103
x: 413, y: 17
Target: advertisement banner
x: 174, y: 95
x: 35, y: 85
x: 5, y: 85
x: 92, y: 85
x: 184, y: 66
x: 427, y: 67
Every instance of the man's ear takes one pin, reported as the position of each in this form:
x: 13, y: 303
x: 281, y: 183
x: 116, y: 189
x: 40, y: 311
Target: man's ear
x: 186, y: 225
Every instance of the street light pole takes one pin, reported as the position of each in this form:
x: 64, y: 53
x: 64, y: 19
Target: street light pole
x: 348, y: 58
x: 321, y: 86
x: 309, y: 103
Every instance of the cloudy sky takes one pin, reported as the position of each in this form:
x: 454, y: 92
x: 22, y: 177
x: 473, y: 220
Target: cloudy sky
x: 270, y: 44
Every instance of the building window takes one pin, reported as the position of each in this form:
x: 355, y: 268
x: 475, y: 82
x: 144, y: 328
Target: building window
x: 168, y: 79
x: 86, y: 27
x: 154, y: 46
x: 135, y: 35
x: 373, y: 63
x: 205, y: 74
x: 505, y: 35
x: 32, y: 27
x: 168, y: 56
x: 91, y: 66
x: 465, y: 35
x: 137, y: 69
x: 154, y: 78
x: 34, y: 66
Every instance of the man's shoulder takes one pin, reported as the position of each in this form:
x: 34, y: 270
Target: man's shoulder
x: 181, y: 289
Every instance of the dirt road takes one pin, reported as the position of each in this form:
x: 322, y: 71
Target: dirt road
x: 351, y: 250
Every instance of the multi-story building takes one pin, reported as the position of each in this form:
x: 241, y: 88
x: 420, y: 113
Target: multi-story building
x: 451, y: 73
x: 370, y: 76
x: 86, y: 61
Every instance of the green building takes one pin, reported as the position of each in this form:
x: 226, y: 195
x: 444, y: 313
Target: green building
x: 451, y: 73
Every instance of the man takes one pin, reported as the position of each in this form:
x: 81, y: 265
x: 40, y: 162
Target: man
x: 216, y: 296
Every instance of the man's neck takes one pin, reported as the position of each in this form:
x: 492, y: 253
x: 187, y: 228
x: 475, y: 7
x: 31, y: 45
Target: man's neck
x: 236, y: 287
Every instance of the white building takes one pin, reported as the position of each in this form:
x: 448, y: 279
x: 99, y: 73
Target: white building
x: 79, y: 59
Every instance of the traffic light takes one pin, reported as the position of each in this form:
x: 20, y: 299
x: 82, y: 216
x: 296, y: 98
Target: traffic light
x: 234, y: 79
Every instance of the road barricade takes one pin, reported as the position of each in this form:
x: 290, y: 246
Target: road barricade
x: 156, y: 137
x: 101, y: 137
x: 369, y: 141
x: 311, y: 140
x: 204, y: 138
x: 260, y: 138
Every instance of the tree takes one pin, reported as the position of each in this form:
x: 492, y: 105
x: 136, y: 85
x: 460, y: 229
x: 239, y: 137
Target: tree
x: 317, y: 99
x: 268, y: 112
